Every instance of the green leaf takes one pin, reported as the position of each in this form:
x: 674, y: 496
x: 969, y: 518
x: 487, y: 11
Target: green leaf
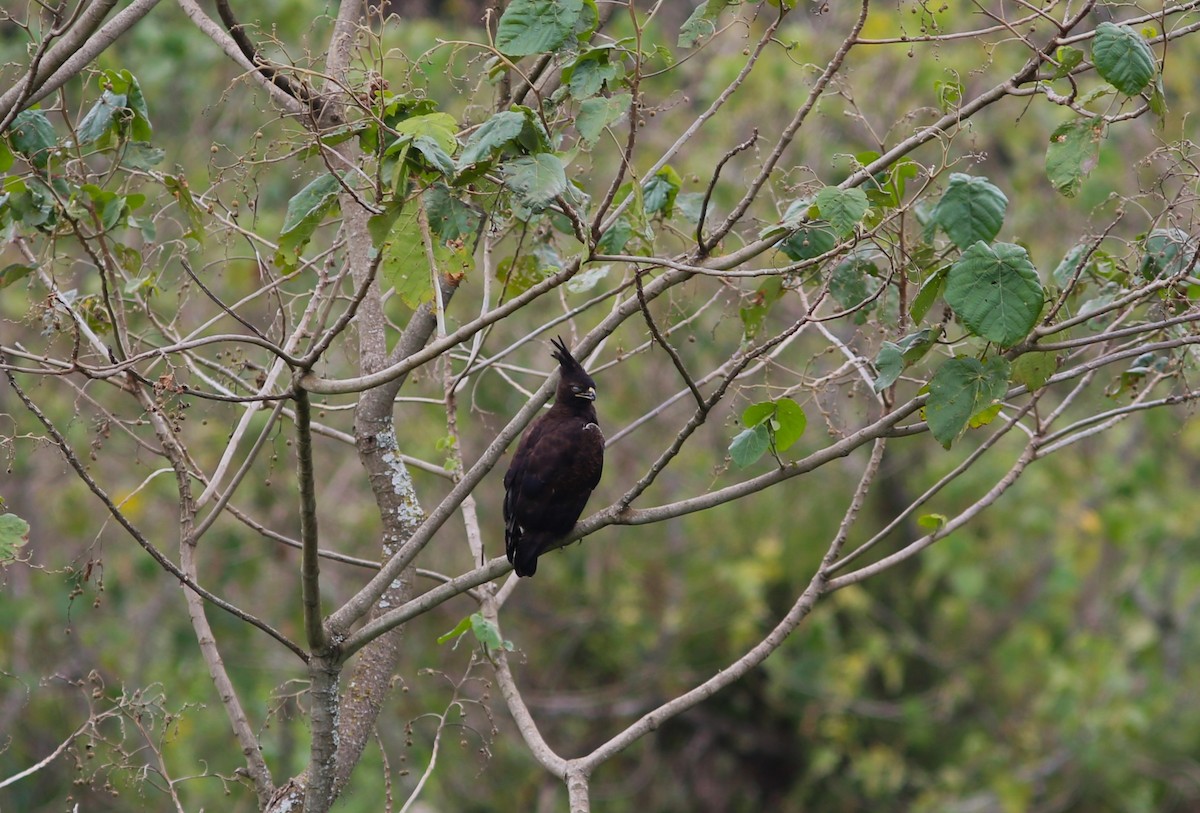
x: 894, y: 357
x: 949, y: 93
x: 1073, y: 153
x: 931, y: 522
x: 13, y: 272
x: 135, y: 102
x: 518, y: 128
x: 1167, y: 252
x: 305, y: 211
x: 1068, y: 59
x: 405, y: 261
x: 1066, y: 269
x: 450, y: 218
x: 960, y: 389
x: 984, y: 416
x: 309, y: 204
x: 587, y: 280
x: 178, y: 187
x: 850, y: 286
x: 6, y: 156
x: 661, y: 191
x: 99, y: 119
x: 140, y: 155
x: 749, y: 445
x: 811, y: 241
x: 434, y: 155
x: 702, y: 22
x: 1034, y: 369
x: 126, y: 84
x: 791, y: 423
x: 995, y: 291
x: 886, y: 187
x: 460, y: 629
x: 497, y: 132
x: 753, y: 314
x: 14, y: 534
x: 440, y: 127
x: 591, y: 71
x: 536, y: 179
x: 587, y: 22
x: 380, y: 226
x: 521, y: 274
x: 929, y: 292
x: 614, y: 240
x: 598, y: 112
x: 970, y: 209
x: 32, y: 135
x: 1123, y: 58
x: 487, y: 633
x: 756, y: 414
x: 783, y: 419
x: 536, y: 26
x: 843, y: 209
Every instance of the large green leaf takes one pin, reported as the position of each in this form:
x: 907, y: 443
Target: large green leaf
x: 789, y: 423
x: 405, y: 265
x: 305, y: 211
x: 590, y: 72
x: 99, y: 119
x: 893, y: 357
x: 434, y: 155
x: 178, y: 187
x: 138, y: 118
x: 971, y: 209
x: 661, y: 191
x: 13, y: 272
x: 759, y: 306
x: 995, y: 291
x: 1167, y: 252
x: 1123, y: 58
x: 14, y: 533
x: 440, y: 127
x: 770, y: 425
x: 450, y: 218
x: 812, y: 240
x: 843, y: 209
x: 535, y: 26
x: 515, y: 128
x: 959, y: 390
x: 498, y: 131
x: 702, y: 22
x: 1034, y: 369
x: 1069, y: 265
x: 852, y: 285
x: 749, y: 445
x: 1073, y: 153
x: 598, y: 112
x: 536, y: 179
x: 928, y: 293
x: 32, y: 135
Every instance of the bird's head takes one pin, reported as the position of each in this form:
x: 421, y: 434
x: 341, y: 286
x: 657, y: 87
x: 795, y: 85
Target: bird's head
x: 575, y: 382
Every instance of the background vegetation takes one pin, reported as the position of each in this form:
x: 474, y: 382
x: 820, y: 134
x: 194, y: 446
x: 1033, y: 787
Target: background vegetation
x: 807, y: 199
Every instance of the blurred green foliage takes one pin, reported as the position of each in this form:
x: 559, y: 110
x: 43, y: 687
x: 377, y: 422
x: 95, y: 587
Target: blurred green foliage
x: 1045, y: 658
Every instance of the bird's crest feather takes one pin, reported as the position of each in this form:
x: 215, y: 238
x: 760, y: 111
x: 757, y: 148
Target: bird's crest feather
x: 565, y: 360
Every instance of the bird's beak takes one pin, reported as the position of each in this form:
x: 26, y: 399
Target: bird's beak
x: 589, y: 393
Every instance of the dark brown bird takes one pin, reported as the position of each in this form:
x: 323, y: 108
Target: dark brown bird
x: 557, y: 464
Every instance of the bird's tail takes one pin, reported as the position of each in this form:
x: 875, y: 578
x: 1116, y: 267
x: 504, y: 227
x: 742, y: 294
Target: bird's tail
x: 522, y: 551
x: 524, y: 560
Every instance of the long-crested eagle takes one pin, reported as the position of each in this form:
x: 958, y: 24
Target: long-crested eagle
x: 556, y: 466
